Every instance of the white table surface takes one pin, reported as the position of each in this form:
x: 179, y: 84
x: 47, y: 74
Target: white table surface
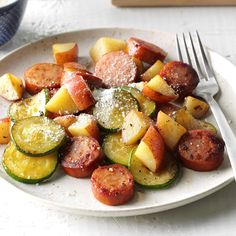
x: 213, y: 215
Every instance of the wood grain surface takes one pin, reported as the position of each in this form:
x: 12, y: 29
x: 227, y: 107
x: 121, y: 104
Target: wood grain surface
x: 136, y: 3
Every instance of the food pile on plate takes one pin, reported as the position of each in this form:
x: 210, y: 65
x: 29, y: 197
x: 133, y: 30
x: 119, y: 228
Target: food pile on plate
x: 133, y: 120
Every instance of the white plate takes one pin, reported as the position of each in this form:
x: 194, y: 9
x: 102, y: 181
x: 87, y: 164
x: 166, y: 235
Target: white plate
x: 74, y: 195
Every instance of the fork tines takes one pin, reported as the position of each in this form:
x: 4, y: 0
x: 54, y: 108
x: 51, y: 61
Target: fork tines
x: 191, y: 51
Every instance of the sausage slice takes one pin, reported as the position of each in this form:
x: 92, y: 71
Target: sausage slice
x: 201, y: 150
x: 116, y: 69
x: 43, y: 75
x: 81, y: 157
x: 112, y: 184
x: 145, y: 51
x: 169, y: 108
x: 181, y: 77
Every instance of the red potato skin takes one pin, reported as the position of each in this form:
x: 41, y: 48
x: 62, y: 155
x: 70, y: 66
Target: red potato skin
x: 156, y: 144
x: 52, y: 115
x: 91, y: 80
x: 65, y: 121
x: 73, y: 66
x: 145, y: 51
x: 67, y: 76
x: 42, y: 75
x: 116, y: 69
x: 181, y: 77
x: 94, y: 131
x: 112, y: 184
x: 80, y: 92
x: 155, y: 96
x: 81, y: 157
x: 201, y: 150
x: 61, y: 58
x: 6, y: 119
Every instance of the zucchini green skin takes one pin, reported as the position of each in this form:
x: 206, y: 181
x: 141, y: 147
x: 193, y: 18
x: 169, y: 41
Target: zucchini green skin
x: 115, y: 150
x: 157, y: 185
x: 108, y: 109
x: 27, y: 180
x: 108, y: 130
x: 18, y: 107
x: 26, y: 150
x: 147, y: 106
x: 41, y: 154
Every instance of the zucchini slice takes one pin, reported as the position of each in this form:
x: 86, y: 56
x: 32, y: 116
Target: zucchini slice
x: 115, y: 150
x: 27, y: 169
x: 31, y: 106
x: 112, y: 106
x: 144, y: 177
x: 37, y: 136
x: 147, y: 106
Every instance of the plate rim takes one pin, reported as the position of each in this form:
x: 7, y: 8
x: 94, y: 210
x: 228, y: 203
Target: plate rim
x: 120, y: 212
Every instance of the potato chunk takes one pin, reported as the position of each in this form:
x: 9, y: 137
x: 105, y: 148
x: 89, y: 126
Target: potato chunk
x: 184, y: 118
x: 151, y: 150
x: 152, y: 71
x: 105, y: 45
x: 65, y: 52
x: 65, y: 121
x: 196, y: 107
x: 85, y: 125
x: 134, y: 127
x: 11, y: 87
x: 170, y: 130
x: 159, y: 85
x: 62, y: 103
x: 158, y: 90
x: 5, y: 124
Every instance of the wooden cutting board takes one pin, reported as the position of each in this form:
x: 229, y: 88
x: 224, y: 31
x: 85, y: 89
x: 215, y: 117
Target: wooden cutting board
x: 144, y: 3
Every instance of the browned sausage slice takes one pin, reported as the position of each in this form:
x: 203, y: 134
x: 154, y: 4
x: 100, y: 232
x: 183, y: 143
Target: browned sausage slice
x: 181, y: 77
x: 81, y: 157
x: 116, y: 69
x: 168, y: 108
x: 201, y: 150
x: 145, y: 51
x: 43, y: 75
x: 112, y: 184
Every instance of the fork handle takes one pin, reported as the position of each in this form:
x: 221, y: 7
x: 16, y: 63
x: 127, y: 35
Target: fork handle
x: 226, y: 132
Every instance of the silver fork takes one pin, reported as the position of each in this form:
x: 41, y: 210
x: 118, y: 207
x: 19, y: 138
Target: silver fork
x: 192, y: 52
